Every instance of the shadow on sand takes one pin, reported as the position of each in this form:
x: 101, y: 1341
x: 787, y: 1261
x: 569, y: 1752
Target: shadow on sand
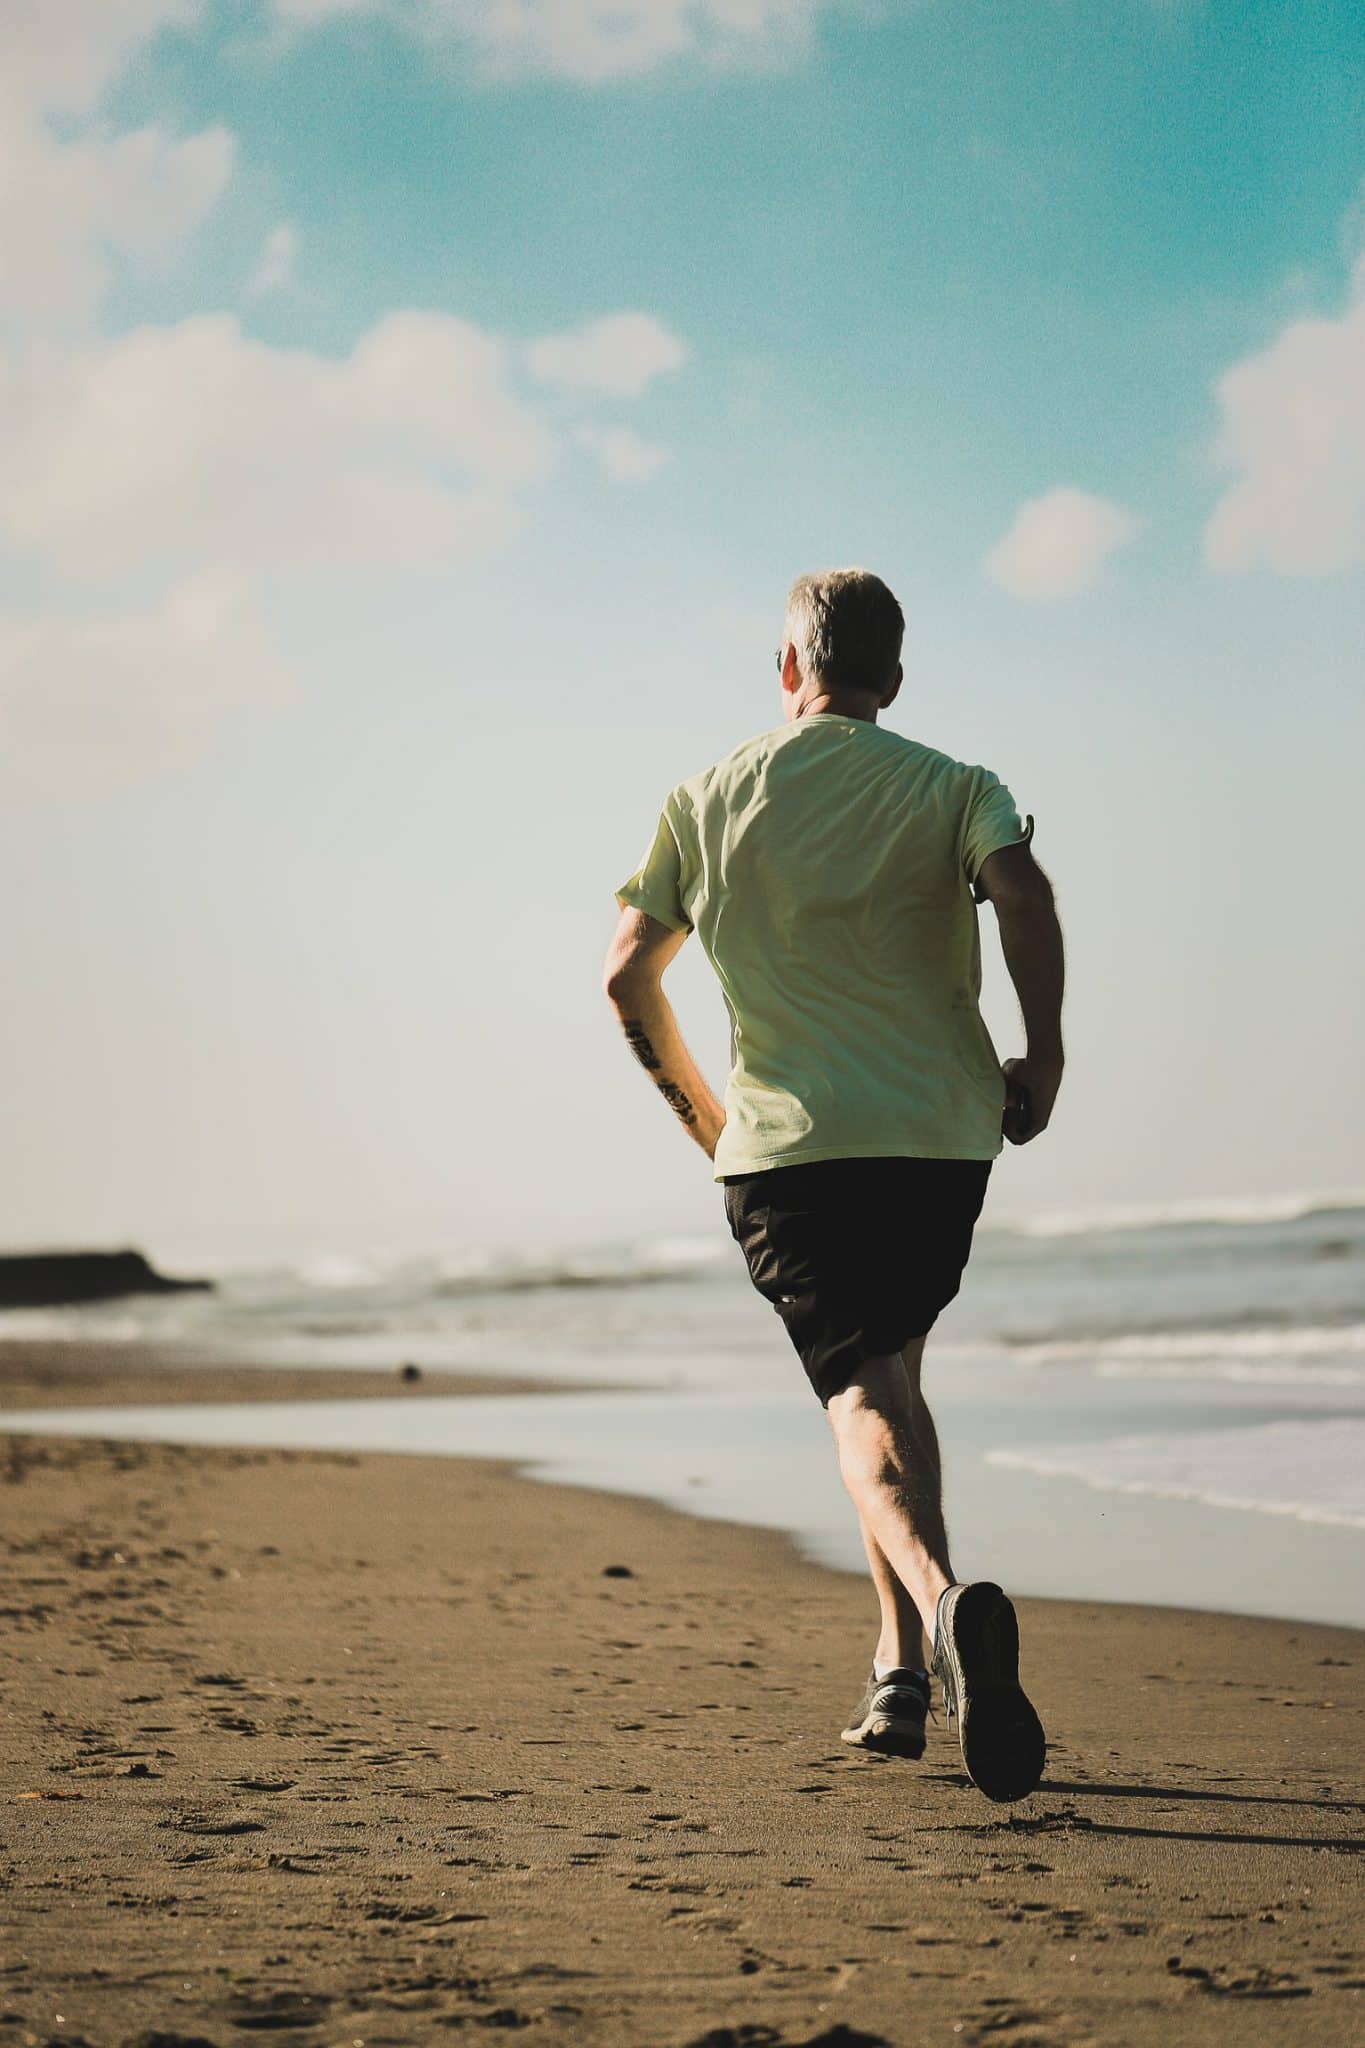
x: 1066, y: 1820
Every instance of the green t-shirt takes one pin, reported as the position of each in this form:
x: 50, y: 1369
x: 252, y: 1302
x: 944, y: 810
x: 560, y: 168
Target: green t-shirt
x: 829, y: 869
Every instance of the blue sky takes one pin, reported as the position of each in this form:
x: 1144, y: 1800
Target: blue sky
x: 417, y: 413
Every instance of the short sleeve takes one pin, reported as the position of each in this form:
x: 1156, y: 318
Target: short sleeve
x: 656, y: 885
x: 991, y: 821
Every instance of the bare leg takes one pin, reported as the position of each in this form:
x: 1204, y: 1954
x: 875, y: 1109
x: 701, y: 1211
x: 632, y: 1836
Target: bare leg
x: 926, y: 1441
x: 889, y: 1460
x: 901, y: 1640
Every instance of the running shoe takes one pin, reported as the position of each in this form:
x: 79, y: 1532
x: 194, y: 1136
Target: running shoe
x: 976, y: 1657
x: 890, y: 1717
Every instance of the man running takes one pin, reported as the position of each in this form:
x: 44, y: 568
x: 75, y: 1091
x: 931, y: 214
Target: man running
x: 831, y: 869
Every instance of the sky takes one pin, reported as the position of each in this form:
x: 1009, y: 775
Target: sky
x: 415, y: 412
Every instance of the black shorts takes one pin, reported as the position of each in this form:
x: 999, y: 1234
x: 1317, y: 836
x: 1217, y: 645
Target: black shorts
x: 857, y: 1256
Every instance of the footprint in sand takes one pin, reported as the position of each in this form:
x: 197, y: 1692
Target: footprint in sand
x: 280, y: 2009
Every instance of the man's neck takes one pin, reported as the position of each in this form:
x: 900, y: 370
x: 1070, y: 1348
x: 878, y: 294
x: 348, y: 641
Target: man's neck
x: 858, y: 706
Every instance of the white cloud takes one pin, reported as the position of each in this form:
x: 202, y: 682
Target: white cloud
x: 622, y: 454
x: 1292, y: 433
x: 595, y: 40
x: 197, y: 459
x: 170, y: 446
x: 195, y: 455
x: 618, y: 356
x: 68, y: 204
x: 59, y: 55
x: 1058, y: 543
x: 67, y: 207
x: 89, y: 707
x: 275, y: 265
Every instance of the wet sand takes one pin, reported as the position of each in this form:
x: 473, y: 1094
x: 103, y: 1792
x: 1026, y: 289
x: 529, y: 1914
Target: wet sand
x: 84, y: 1375
x: 374, y: 1749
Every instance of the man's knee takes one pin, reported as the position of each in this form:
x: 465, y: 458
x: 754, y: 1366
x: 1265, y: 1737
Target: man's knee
x: 878, y: 1389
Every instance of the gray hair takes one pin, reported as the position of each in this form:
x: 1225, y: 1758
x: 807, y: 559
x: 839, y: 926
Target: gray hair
x: 847, y: 629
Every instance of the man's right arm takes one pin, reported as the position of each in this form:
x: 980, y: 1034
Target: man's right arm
x: 1031, y: 941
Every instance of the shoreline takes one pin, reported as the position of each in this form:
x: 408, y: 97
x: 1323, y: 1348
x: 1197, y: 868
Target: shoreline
x: 79, y: 1373
x: 695, y: 1450
x: 386, y: 1745
x: 22, y: 1426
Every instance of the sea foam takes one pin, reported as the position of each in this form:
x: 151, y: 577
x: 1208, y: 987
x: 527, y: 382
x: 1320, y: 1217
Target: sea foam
x: 1311, y: 1470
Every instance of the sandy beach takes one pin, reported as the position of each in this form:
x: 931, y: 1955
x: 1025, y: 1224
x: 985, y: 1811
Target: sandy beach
x: 371, y: 1749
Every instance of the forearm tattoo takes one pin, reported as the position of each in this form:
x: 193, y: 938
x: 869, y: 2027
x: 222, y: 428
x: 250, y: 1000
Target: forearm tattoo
x: 637, y: 1038
x: 638, y: 1041
x: 673, y: 1095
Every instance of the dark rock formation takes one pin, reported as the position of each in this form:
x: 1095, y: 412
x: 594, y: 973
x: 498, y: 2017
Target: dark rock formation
x: 53, y: 1279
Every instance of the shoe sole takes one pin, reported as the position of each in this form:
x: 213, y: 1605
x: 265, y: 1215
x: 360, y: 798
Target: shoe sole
x: 888, y: 1738
x: 977, y: 1659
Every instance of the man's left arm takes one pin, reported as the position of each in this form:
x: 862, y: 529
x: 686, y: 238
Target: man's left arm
x: 633, y: 980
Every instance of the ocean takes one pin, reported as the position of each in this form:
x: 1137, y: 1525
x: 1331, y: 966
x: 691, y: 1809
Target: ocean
x: 1163, y: 1405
